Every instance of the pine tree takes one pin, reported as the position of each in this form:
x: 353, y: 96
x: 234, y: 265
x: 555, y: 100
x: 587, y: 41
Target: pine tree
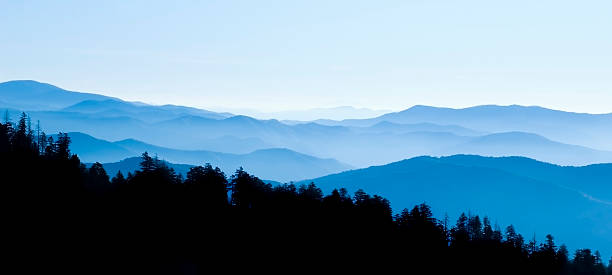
x: 210, y: 185
x: 97, y: 174
x: 63, y: 146
x: 497, y: 234
x: 459, y: 234
x: 310, y: 192
x: 513, y: 239
x: 148, y: 164
x: 563, y: 255
x: 487, y: 231
x: 474, y: 228
x: 118, y: 179
x: 51, y: 148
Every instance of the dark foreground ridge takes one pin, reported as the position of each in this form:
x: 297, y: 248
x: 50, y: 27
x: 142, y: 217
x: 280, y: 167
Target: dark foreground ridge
x: 63, y: 217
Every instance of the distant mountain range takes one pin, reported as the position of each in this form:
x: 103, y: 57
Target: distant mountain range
x: 297, y: 116
x: 33, y: 96
x: 146, y: 113
x: 357, y: 146
x: 529, y: 145
x: 539, y: 198
x: 272, y: 164
x: 532, y: 194
x: 28, y: 95
x: 591, y: 130
x: 485, y: 130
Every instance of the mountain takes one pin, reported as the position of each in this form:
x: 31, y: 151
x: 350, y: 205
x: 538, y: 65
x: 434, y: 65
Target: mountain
x: 28, y: 95
x: 226, y: 144
x: 108, y: 128
x: 597, y: 175
x: 533, y: 132
x: 572, y: 203
x: 529, y: 145
x: 378, y: 144
x: 396, y: 128
x: 300, y: 116
x: 31, y: 95
x: 130, y: 165
x: 147, y: 113
x: 90, y: 149
x: 591, y: 130
x: 273, y: 164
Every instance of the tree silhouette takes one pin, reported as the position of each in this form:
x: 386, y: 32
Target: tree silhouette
x: 148, y: 164
x: 248, y: 191
x: 154, y: 221
x: 118, y: 179
x: 208, y: 184
x: 585, y: 262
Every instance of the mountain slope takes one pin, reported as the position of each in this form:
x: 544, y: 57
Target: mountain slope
x: 531, y: 146
x: 130, y: 165
x: 396, y: 128
x: 28, y: 95
x: 357, y: 146
x: 576, y: 213
x: 592, y: 179
x: 90, y: 149
x: 420, y: 130
x: 340, y: 112
x: 32, y: 95
x: 591, y: 130
x: 149, y: 113
x: 273, y: 164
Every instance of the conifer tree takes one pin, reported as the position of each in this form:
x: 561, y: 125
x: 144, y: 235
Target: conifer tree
x: 148, y: 164
x: 118, y: 179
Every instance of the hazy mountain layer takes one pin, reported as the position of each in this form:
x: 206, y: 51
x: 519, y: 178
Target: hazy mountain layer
x: 381, y: 143
x: 273, y: 164
x: 147, y: 113
x: 27, y: 95
x: 417, y: 131
x: 592, y: 130
x: 31, y: 95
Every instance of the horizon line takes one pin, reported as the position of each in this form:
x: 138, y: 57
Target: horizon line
x: 222, y: 109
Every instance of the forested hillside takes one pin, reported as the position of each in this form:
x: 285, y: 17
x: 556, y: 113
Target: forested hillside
x: 64, y: 217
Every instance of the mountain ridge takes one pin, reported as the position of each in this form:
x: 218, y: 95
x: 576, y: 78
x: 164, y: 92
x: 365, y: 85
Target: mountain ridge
x: 535, y: 195
x: 264, y: 162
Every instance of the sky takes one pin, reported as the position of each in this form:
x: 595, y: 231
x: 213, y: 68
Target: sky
x: 286, y: 55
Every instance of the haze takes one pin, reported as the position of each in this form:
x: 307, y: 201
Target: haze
x: 294, y: 55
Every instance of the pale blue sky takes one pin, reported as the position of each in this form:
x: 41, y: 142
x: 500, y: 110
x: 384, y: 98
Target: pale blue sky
x: 279, y: 55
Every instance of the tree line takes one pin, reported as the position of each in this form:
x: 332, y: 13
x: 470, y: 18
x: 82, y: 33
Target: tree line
x: 61, y: 214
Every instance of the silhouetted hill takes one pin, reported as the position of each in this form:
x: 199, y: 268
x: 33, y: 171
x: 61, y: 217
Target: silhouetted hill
x: 130, y: 165
x: 536, y: 196
x: 273, y: 164
x: 592, y: 179
x: 170, y: 220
